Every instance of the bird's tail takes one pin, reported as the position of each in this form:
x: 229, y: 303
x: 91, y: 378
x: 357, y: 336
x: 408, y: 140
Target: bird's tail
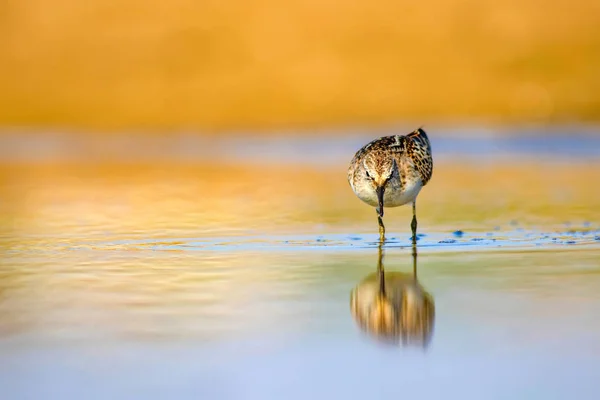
x: 420, y: 135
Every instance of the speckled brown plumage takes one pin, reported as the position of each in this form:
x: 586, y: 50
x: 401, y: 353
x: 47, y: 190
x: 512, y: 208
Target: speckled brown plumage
x: 415, y: 145
x: 390, y: 171
x: 419, y: 149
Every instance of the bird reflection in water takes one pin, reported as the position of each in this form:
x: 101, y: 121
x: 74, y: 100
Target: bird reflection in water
x: 393, y: 306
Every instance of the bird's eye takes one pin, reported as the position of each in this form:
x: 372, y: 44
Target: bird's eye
x: 368, y: 175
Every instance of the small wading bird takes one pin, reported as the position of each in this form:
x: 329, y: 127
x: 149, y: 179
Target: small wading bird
x: 390, y: 172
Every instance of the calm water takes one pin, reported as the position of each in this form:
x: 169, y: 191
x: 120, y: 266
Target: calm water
x: 232, y: 278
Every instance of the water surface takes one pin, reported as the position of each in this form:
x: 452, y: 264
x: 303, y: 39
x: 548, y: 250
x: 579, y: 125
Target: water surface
x: 232, y: 279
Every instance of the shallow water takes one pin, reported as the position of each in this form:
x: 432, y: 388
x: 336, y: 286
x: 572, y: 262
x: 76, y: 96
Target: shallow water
x: 233, y: 279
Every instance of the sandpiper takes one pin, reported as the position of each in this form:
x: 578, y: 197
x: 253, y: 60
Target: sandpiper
x: 390, y: 172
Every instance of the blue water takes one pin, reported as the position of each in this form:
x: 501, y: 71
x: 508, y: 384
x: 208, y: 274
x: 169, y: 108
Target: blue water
x: 92, y: 309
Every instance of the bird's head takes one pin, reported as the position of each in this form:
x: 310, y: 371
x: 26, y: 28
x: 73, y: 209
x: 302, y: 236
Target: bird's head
x: 379, y: 171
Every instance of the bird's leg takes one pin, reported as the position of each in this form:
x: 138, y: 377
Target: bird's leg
x: 381, y: 228
x: 413, y: 224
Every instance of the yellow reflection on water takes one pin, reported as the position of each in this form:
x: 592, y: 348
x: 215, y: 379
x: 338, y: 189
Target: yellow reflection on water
x: 65, y: 268
x: 153, y: 201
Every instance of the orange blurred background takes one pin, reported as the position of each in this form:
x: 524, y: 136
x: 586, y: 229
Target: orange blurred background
x: 211, y: 66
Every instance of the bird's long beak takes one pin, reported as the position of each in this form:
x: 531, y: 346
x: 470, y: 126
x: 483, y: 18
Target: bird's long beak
x: 380, y: 190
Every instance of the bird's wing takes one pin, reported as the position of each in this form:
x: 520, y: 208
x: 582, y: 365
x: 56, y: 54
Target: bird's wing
x: 420, y: 150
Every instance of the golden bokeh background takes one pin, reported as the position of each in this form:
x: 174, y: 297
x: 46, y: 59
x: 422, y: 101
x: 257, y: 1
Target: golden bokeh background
x: 214, y: 65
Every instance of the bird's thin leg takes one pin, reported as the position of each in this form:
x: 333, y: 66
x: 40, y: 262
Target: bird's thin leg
x: 381, y: 228
x: 413, y: 224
